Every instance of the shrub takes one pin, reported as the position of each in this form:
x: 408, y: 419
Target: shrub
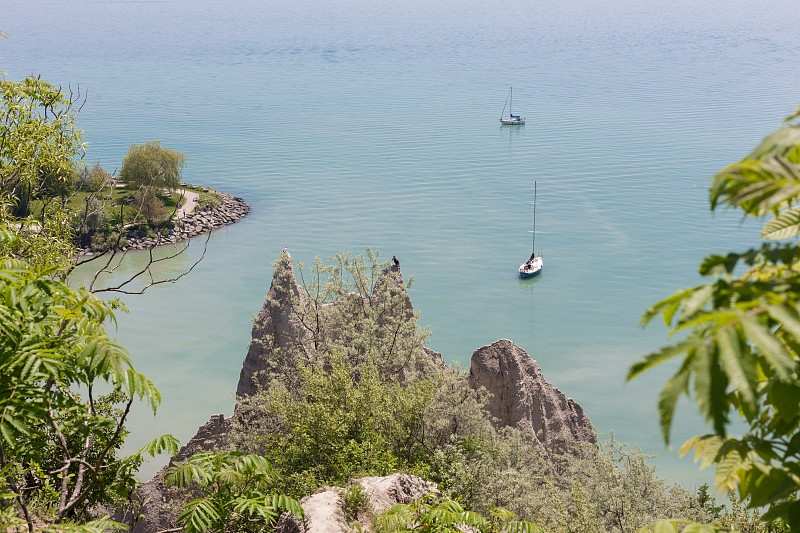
x: 436, y: 514
x: 149, y: 206
x: 96, y: 216
x: 211, y: 200
x: 107, y: 240
x: 94, y: 179
x: 356, y: 501
x: 234, y: 490
x: 335, y: 428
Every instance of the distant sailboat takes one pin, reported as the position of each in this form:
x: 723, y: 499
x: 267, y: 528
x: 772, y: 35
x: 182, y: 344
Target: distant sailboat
x: 512, y: 120
x: 532, y: 266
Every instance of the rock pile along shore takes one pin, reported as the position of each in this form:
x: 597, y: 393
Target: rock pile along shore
x: 231, y: 210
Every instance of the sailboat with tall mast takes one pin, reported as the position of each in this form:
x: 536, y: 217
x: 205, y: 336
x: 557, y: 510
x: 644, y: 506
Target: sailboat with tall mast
x: 533, y: 266
x: 512, y: 119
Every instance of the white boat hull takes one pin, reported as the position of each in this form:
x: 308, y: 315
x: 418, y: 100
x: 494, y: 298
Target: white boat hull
x: 531, y: 267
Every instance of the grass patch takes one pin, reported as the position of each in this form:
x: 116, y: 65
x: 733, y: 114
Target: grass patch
x: 114, y: 197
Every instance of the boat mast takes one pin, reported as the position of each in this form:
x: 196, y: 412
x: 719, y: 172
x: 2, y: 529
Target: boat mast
x: 534, y: 221
x: 503, y: 112
x: 510, y: 101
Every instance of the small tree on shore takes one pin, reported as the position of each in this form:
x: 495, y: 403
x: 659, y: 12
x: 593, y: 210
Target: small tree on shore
x: 152, y: 165
x: 150, y: 207
x: 94, y: 179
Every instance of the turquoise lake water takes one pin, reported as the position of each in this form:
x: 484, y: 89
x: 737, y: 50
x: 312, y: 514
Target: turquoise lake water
x: 346, y: 124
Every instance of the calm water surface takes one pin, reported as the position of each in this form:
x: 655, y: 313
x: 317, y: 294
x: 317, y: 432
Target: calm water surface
x: 346, y: 124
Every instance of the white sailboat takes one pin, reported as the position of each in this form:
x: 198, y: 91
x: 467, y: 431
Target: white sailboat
x: 511, y: 120
x: 533, y: 266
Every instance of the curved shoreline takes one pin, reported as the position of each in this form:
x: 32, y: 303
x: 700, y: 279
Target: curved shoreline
x: 198, y: 222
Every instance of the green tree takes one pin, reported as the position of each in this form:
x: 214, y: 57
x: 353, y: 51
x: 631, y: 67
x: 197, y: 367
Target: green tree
x: 234, y: 491
x: 149, y: 207
x: 40, y: 148
x: 152, y: 165
x: 52, y: 341
x: 740, y: 338
x: 94, y: 179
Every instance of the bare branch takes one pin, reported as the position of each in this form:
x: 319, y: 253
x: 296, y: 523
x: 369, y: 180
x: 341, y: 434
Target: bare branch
x: 147, y: 270
x: 79, y: 497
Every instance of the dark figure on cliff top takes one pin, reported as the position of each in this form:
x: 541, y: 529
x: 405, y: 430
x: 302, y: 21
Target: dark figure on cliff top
x: 396, y: 262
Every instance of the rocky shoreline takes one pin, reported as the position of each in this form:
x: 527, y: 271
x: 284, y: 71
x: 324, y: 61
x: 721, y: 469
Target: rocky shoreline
x: 231, y: 210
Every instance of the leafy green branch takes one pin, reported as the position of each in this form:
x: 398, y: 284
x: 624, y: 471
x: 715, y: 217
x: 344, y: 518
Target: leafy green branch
x: 740, y: 345
x: 233, y: 491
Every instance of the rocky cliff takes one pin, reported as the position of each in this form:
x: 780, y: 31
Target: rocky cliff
x: 289, y: 322
x: 520, y: 396
x: 277, y: 327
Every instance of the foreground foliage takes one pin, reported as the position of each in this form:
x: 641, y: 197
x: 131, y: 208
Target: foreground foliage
x: 40, y: 147
x: 433, y: 513
x: 234, y: 493
x: 741, y: 346
x: 58, y: 449
x: 59, y: 439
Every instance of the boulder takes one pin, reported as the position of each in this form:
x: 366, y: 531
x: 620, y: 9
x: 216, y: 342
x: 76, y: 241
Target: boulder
x: 387, y: 491
x: 324, y: 512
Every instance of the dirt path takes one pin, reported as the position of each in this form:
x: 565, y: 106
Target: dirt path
x: 188, y: 204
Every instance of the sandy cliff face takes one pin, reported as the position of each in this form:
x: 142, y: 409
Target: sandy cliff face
x: 276, y: 326
x: 521, y: 397
x: 289, y: 319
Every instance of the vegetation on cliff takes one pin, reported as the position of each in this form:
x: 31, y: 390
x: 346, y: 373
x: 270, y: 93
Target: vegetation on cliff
x: 345, y: 410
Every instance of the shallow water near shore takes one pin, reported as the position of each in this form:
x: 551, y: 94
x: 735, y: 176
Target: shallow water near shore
x: 345, y: 125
